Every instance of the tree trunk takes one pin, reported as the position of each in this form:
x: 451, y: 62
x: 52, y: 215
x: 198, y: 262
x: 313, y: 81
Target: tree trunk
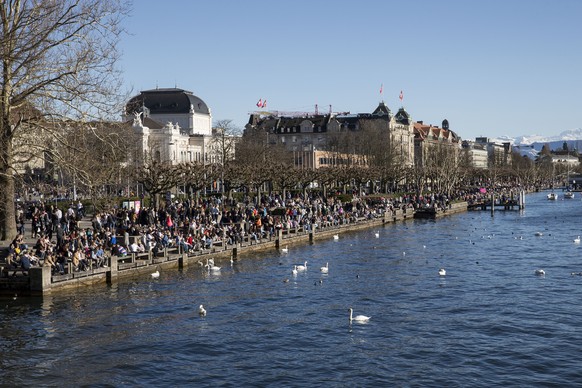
x: 7, y: 213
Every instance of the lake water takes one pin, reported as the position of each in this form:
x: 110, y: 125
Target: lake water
x: 489, y: 321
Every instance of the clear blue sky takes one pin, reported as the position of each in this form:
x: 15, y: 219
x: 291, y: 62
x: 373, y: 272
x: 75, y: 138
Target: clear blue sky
x: 492, y: 68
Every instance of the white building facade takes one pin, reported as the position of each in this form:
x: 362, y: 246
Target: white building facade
x: 173, y: 126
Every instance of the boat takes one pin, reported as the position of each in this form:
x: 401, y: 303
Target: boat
x: 569, y: 194
x: 552, y: 196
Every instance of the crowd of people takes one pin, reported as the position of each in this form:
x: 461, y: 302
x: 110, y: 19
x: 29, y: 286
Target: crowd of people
x: 190, y: 225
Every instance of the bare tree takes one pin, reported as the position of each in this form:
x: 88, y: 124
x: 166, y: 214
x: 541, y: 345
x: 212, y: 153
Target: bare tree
x: 95, y: 155
x: 225, y: 136
x: 60, y: 57
x: 158, y: 177
x: 257, y: 155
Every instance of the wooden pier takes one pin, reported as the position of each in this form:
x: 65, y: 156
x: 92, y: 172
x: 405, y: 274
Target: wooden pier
x: 436, y: 212
x: 506, y: 205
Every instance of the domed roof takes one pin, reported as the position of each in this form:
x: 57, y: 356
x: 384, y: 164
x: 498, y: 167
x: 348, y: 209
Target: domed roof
x: 164, y: 101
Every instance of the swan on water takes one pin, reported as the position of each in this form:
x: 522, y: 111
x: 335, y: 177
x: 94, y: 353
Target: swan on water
x: 294, y: 271
x: 156, y: 274
x: 442, y: 272
x: 301, y: 267
x: 325, y: 269
x: 577, y: 240
x: 202, y: 311
x: 336, y: 236
x: 210, y: 265
x: 540, y: 272
x: 285, y: 250
x: 377, y: 234
x: 358, y: 318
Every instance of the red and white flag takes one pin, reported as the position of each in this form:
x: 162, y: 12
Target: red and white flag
x: 260, y: 103
x: 401, y: 96
x: 265, y: 103
x: 381, y: 88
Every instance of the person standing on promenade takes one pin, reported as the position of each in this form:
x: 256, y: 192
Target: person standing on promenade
x: 57, y: 218
x: 35, y: 229
x: 46, y: 224
x: 60, y: 234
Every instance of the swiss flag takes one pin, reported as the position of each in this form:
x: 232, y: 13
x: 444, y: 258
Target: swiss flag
x: 265, y: 104
x: 260, y: 103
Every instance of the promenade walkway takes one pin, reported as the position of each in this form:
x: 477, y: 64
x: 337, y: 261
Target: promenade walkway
x: 40, y: 279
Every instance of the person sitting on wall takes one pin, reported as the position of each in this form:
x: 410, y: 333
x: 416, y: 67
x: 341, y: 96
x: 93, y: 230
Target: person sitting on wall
x: 98, y: 256
x: 119, y: 250
x: 18, y: 244
x: 50, y: 261
x: 134, y: 247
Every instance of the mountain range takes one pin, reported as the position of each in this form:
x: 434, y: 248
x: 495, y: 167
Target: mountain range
x: 572, y: 137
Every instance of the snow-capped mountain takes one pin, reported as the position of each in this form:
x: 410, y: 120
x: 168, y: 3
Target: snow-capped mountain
x: 531, y: 145
x: 568, y: 136
x: 572, y: 137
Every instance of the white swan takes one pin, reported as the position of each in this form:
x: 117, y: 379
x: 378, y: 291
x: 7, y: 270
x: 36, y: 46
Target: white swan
x: 211, y: 267
x: 294, y: 271
x: 358, y: 318
x: 155, y: 275
x: 377, y: 234
x: 325, y: 269
x: 540, y: 272
x: 336, y: 236
x: 442, y: 272
x: 577, y: 240
x: 301, y: 267
x: 202, y: 311
x: 285, y: 250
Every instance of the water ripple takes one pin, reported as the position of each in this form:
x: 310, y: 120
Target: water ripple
x: 489, y: 321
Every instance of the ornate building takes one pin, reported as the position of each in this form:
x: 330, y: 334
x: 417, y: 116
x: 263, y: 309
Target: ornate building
x: 173, y: 125
x: 318, y: 140
x: 430, y: 139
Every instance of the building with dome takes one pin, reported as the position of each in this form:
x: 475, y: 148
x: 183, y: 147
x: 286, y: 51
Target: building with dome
x: 172, y: 125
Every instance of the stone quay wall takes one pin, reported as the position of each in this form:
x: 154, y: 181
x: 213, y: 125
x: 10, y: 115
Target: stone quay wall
x: 39, y: 280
